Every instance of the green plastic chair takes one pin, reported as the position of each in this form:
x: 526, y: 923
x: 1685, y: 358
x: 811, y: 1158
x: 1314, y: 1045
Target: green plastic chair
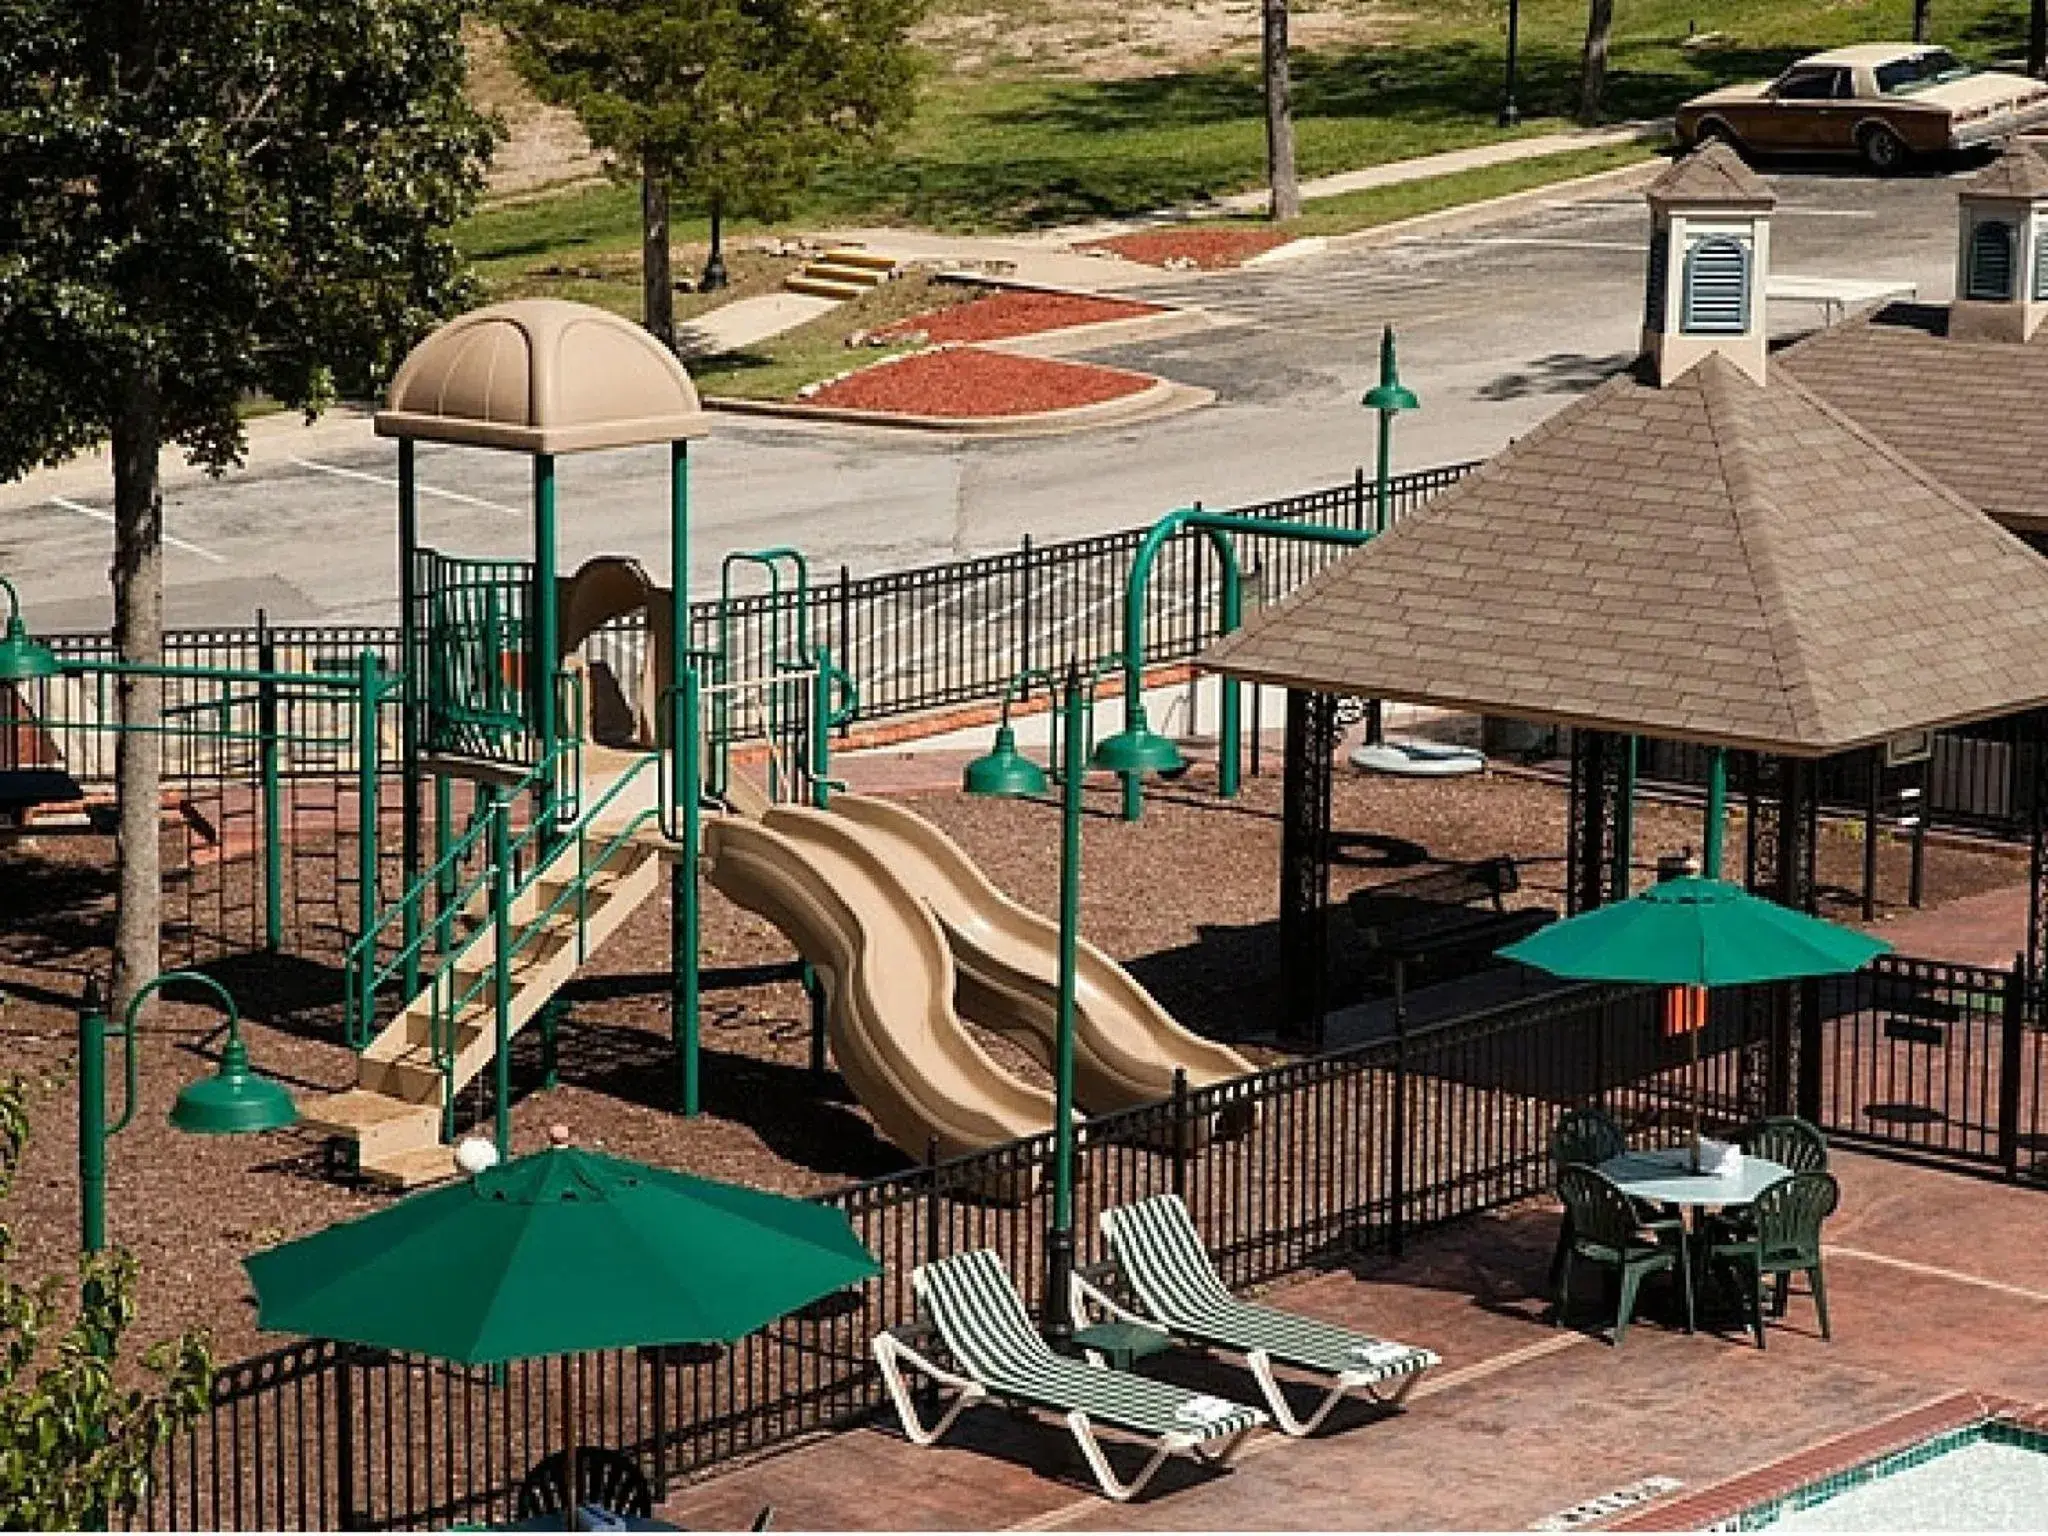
x: 1605, y: 1230
x: 1587, y: 1137
x: 1781, y: 1239
x: 1787, y: 1141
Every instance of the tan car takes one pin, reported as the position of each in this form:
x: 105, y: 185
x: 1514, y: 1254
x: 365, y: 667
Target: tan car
x: 1884, y: 101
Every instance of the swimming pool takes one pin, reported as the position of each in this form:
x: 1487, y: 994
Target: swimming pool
x: 1987, y: 1476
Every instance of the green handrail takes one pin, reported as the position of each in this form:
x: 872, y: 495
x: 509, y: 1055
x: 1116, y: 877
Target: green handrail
x: 1218, y: 525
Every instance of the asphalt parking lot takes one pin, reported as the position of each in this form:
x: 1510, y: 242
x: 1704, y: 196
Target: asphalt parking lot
x: 1499, y: 325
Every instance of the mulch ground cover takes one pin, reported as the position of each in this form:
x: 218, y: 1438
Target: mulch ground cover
x: 967, y: 381
x: 1187, y: 897
x: 1018, y: 312
x: 1208, y: 250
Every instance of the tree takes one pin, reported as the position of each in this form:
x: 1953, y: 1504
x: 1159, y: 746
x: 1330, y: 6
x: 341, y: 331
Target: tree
x: 732, y: 103
x: 75, y: 1448
x: 2037, y: 39
x: 1286, y: 203
x: 1920, y: 20
x: 201, y: 199
x: 1593, y: 61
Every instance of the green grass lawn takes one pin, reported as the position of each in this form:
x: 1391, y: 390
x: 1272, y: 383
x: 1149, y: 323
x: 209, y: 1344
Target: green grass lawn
x: 779, y: 367
x: 997, y: 153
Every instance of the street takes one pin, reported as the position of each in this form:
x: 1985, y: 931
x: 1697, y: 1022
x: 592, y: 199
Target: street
x: 1498, y: 326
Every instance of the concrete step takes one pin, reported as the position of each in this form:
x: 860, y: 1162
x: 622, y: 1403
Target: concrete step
x: 838, y: 272
x: 854, y: 256
x: 825, y: 288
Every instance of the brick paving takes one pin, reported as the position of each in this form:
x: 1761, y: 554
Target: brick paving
x: 1933, y: 1284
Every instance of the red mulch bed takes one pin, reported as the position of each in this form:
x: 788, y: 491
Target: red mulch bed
x: 1020, y: 312
x: 1209, y: 249
x: 966, y: 381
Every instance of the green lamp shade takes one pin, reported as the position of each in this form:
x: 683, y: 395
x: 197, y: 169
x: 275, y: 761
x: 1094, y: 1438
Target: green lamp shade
x: 1139, y: 749
x: 23, y: 659
x: 1391, y: 397
x: 234, y: 1101
x: 1005, y: 772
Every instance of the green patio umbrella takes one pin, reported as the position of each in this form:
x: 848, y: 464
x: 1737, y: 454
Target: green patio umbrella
x: 558, y: 1253
x: 1695, y: 932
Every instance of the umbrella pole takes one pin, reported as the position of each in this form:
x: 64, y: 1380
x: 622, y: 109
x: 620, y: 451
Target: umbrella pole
x: 1699, y: 1023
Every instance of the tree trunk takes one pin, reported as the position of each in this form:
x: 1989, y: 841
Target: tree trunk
x: 1279, y: 115
x: 657, y: 282
x: 715, y: 276
x: 1920, y: 21
x: 138, y: 579
x: 1593, y: 63
x: 2037, y: 40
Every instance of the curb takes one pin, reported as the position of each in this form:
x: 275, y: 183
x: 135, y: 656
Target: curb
x: 1472, y: 215
x: 1160, y: 399
x: 1172, y: 320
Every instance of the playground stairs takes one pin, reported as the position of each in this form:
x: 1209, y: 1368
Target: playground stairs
x: 391, y: 1120
x: 845, y: 273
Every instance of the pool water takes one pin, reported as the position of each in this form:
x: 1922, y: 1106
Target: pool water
x: 1988, y: 1477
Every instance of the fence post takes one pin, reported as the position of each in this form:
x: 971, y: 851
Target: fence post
x: 345, y: 1438
x: 1024, y: 625
x: 1806, y: 1064
x: 2014, y: 1027
x: 367, y: 691
x: 1358, y: 497
x: 846, y: 637
x: 1180, y: 1132
x: 928, y: 1387
x: 1397, y: 1177
x: 273, y: 831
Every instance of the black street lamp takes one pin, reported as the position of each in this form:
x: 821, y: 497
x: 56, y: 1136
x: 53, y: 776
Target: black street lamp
x: 1510, y: 114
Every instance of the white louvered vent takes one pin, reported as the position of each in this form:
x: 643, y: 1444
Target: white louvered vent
x: 1716, y: 288
x: 2041, y: 265
x: 1992, y: 259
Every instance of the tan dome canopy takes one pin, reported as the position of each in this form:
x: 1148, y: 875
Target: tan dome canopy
x: 542, y: 376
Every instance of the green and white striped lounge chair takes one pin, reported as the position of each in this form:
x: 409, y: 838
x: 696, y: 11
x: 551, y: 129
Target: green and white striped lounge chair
x: 1161, y: 1257
x: 977, y: 1312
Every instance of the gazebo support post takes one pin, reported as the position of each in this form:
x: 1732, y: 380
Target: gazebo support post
x: 1305, y: 860
x: 1595, y: 766
x: 1786, y: 825
x: 1622, y: 853
x: 685, y: 746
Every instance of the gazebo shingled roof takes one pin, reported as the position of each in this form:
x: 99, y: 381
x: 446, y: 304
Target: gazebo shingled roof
x: 542, y: 376
x: 1714, y: 561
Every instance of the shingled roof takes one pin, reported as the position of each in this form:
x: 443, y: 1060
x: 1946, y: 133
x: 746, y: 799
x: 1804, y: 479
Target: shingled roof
x: 2018, y: 172
x: 1970, y: 413
x: 1712, y: 176
x: 1713, y: 561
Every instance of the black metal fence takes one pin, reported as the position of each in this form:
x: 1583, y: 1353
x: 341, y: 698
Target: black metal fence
x: 1307, y: 1164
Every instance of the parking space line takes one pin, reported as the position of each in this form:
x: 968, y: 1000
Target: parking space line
x: 390, y: 484
x: 1550, y: 242
x: 108, y: 518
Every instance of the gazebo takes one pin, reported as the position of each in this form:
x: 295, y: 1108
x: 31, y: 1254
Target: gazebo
x: 1699, y: 550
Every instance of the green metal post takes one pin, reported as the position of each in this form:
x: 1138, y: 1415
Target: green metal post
x: 1717, y: 814
x: 273, y: 829
x: 92, y: 1119
x: 685, y: 746
x: 444, y: 883
x: 546, y: 631
x: 501, y: 987
x: 1229, y: 727
x: 408, y: 706
x: 821, y: 729
x: 1383, y: 495
x: 1623, y: 855
x: 369, y: 687
x: 1059, y: 1323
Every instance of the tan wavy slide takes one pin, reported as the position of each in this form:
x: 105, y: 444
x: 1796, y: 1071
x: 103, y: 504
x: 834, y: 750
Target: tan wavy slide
x: 888, y: 979
x: 1126, y: 1046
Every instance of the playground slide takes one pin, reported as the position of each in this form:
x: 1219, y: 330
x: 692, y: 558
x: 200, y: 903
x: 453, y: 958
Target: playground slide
x: 1126, y: 1046
x: 888, y: 980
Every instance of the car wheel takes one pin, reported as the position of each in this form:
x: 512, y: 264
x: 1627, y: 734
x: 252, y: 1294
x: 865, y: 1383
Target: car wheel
x: 1883, y: 151
x: 1714, y: 131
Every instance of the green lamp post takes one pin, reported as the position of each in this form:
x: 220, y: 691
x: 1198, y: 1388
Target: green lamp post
x: 234, y: 1101
x: 22, y: 658
x: 1005, y: 772
x: 1390, y: 397
x: 1001, y: 773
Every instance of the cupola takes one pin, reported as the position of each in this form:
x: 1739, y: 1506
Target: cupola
x: 1710, y: 247
x: 2002, y: 250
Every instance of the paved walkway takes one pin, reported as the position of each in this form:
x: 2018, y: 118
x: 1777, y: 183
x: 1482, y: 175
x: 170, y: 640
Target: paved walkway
x: 1932, y: 1277
x: 1987, y: 929
x: 747, y: 322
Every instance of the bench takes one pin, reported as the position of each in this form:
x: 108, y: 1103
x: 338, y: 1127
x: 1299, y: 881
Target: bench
x: 1458, y: 913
